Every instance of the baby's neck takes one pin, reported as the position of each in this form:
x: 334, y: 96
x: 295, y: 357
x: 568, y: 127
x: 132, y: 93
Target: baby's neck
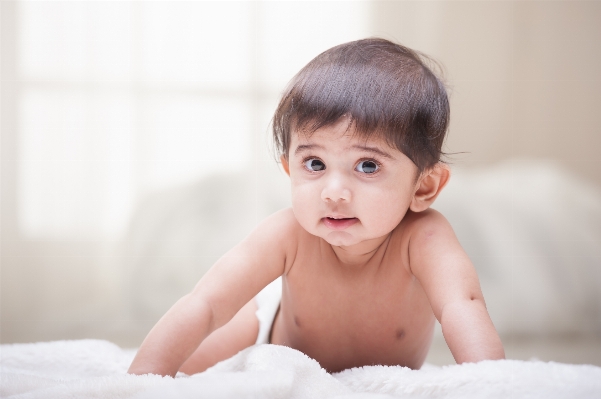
x: 360, y: 254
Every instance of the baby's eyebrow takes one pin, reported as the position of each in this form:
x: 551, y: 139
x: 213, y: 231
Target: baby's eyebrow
x: 373, y: 149
x: 305, y: 147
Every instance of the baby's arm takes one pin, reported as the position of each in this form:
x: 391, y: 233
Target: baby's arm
x: 236, y: 278
x: 451, y: 284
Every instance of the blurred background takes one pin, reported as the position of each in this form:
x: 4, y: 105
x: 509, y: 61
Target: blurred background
x: 135, y: 152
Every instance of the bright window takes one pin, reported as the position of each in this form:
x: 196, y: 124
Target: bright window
x: 117, y: 99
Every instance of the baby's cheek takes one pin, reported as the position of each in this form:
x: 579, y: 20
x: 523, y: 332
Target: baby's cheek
x: 301, y: 207
x: 386, y: 218
x: 386, y: 223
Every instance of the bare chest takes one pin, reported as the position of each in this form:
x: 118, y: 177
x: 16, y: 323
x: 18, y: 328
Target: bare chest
x: 375, y: 316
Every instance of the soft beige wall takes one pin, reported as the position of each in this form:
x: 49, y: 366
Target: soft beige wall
x: 524, y: 76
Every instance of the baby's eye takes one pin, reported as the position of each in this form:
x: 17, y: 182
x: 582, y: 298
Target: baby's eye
x: 314, y: 165
x: 367, y: 167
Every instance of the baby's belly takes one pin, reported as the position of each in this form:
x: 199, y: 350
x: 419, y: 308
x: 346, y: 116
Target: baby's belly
x: 377, y: 338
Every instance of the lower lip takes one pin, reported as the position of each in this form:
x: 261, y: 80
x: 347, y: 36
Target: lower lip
x: 339, y: 224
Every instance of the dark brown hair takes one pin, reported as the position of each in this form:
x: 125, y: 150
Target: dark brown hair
x: 385, y: 89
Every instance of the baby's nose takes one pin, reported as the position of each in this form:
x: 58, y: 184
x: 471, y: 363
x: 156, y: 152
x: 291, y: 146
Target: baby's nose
x: 336, y: 189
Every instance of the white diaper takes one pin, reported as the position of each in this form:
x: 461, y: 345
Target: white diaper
x: 268, y: 302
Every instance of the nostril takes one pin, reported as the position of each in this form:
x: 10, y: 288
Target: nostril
x: 335, y: 192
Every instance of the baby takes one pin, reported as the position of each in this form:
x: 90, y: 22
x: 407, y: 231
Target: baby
x: 366, y: 267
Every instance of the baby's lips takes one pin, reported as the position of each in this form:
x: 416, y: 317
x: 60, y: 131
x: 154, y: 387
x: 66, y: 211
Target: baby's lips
x: 339, y: 224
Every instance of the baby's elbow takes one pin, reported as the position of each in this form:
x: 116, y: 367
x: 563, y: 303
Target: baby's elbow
x: 199, y: 307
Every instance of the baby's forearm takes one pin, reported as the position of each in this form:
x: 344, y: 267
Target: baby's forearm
x: 469, y: 332
x: 174, y: 338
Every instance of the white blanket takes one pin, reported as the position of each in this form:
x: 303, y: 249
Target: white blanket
x: 97, y: 369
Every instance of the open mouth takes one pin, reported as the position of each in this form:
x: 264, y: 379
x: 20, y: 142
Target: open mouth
x: 339, y: 223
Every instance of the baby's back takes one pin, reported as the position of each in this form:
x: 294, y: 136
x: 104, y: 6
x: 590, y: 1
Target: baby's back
x: 352, y: 315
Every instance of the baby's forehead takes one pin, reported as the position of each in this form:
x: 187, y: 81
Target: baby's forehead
x: 338, y: 139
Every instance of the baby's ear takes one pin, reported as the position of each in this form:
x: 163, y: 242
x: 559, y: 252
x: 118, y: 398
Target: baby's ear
x: 284, y: 162
x: 429, y: 185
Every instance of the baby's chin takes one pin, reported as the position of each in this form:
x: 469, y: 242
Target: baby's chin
x: 341, y: 238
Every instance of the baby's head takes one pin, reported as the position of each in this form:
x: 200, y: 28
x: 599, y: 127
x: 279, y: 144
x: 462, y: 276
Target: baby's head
x: 382, y: 89
x: 360, y: 131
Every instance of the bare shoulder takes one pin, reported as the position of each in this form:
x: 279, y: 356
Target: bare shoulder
x: 253, y: 263
x: 281, y: 232
x: 439, y: 262
x: 281, y: 226
x: 426, y: 224
x: 429, y: 234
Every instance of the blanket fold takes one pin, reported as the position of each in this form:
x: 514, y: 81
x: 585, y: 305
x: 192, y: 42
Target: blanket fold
x: 97, y: 369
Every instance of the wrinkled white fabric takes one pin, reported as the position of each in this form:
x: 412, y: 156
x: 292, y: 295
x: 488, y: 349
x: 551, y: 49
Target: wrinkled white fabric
x: 97, y: 369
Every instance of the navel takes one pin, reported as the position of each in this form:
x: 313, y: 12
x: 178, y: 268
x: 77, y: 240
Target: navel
x: 400, y: 333
x: 297, y: 321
